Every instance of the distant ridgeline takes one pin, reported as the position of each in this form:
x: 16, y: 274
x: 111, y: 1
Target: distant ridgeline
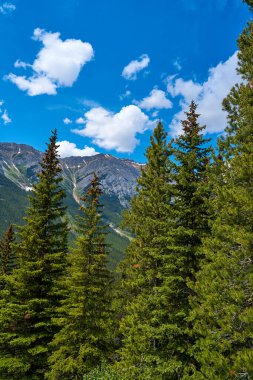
x: 19, y: 164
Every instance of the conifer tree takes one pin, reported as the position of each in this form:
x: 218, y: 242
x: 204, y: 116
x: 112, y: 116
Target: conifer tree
x: 7, y: 260
x: 83, y: 341
x: 191, y: 215
x: 34, y: 290
x: 168, y: 218
x: 223, y: 310
x: 145, y: 270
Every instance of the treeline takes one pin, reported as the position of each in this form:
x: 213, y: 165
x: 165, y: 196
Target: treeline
x: 180, y: 304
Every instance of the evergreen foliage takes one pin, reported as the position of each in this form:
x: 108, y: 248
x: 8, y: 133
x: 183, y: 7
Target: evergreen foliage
x: 168, y: 217
x: 192, y: 218
x: 34, y: 288
x: 144, y: 325
x: 103, y: 372
x: 7, y: 259
x: 83, y: 341
x: 223, y: 310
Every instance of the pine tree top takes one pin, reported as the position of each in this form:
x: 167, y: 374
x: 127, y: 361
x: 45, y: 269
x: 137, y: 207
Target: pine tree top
x: 50, y: 161
x: 94, y: 191
x: 191, y: 138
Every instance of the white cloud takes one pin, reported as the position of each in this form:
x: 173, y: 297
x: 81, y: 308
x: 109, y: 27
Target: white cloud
x: 57, y: 64
x: 35, y: 85
x: 68, y: 149
x: 4, y: 114
x: 89, y: 103
x: 80, y: 120
x: 188, y: 89
x: 130, y: 71
x: 156, y: 99
x: 5, y: 117
x: 125, y: 95
x: 22, y: 64
x: 67, y: 121
x: 61, y: 61
x: 208, y: 95
x: 177, y: 64
x: 7, y: 8
x: 115, y: 130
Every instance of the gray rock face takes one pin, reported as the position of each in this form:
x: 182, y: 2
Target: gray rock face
x: 117, y: 176
x: 20, y: 163
x: 19, y: 153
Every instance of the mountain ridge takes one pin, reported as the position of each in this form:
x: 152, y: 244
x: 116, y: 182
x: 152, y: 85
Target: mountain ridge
x: 13, y: 156
x: 19, y: 165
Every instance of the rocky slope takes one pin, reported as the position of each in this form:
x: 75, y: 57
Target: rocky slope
x: 19, y: 165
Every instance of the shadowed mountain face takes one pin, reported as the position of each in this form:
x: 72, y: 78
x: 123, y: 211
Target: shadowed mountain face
x: 19, y: 165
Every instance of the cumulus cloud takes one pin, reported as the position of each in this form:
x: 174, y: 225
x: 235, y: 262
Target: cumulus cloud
x: 131, y: 70
x: 208, y: 95
x: 57, y: 64
x: 7, y: 8
x: 69, y: 149
x: 156, y: 99
x: 67, y: 121
x: 188, y: 89
x: 115, y: 130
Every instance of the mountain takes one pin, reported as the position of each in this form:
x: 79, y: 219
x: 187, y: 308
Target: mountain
x: 19, y: 165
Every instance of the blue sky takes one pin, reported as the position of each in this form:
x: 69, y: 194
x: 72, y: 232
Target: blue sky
x: 103, y: 72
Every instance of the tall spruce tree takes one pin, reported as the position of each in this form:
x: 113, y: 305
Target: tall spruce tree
x: 34, y: 290
x: 7, y: 259
x: 83, y: 341
x: 223, y: 310
x: 191, y: 192
x: 144, y: 322
x: 168, y: 217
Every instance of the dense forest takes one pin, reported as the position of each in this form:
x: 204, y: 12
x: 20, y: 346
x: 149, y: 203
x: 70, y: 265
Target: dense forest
x: 179, y: 305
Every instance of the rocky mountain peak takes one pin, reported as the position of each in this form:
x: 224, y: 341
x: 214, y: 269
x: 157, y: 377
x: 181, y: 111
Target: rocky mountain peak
x: 20, y: 164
